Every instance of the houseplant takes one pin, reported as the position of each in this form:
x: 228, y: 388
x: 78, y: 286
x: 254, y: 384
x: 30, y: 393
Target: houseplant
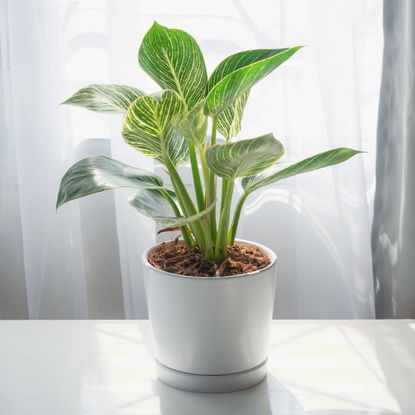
x: 210, y: 296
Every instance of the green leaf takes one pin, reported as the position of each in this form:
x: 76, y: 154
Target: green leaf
x: 96, y: 174
x: 180, y: 221
x: 174, y: 60
x: 152, y: 203
x: 318, y: 161
x: 230, y: 119
x: 242, y: 71
x: 105, y: 97
x: 244, y: 158
x: 192, y: 125
x: 148, y: 127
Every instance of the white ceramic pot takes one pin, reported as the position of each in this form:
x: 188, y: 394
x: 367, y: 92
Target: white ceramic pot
x: 211, y: 334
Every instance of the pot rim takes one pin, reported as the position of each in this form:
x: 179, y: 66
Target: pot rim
x: 269, y: 252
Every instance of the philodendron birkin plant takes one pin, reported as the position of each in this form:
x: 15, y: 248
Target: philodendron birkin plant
x: 200, y: 326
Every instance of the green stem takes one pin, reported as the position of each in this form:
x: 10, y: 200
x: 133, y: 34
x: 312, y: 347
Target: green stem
x: 206, y: 174
x: 222, y: 236
x: 223, y: 193
x: 236, y: 216
x: 188, y: 239
x: 212, y: 186
x: 196, y: 177
x: 199, y: 228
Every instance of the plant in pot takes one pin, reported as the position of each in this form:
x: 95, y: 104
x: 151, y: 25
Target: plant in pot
x: 210, y: 296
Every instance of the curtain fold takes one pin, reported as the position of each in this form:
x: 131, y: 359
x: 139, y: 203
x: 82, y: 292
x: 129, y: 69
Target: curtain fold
x: 85, y: 260
x: 393, y: 236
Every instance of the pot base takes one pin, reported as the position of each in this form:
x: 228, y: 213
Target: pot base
x: 211, y: 383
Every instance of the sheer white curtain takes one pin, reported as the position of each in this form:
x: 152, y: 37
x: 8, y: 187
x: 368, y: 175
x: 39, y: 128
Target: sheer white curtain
x: 85, y: 261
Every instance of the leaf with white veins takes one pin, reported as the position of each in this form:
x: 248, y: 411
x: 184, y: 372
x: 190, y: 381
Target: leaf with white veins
x: 105, y: 97
x: 148, y: 127
x: 318, y: 161
x: 192, y: 125
x: 174, y: 60
x: 244, y: 158
x: 175, y: 221
x: 152, y: 203
x: 99, y: 173
x: 252, y: 66
x: 229, y: 120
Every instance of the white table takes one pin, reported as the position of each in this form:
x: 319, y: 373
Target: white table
x: 105, y: 367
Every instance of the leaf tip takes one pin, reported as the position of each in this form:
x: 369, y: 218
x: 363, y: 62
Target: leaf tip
x: 67, y: 101
x: 59, y: 203
x: 156, y: 25
x: 295, y: 49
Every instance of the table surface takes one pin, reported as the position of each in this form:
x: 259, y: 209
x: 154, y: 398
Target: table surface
x: 105, y: 367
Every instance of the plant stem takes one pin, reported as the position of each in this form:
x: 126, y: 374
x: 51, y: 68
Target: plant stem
x: 236, y: 216
x: 222, y: 236
x: 212, y: 186
x: 199, y: 227
x: 223, y: 193
x: 196, y: 177
x: 188, y: 239
x: 206, y: 174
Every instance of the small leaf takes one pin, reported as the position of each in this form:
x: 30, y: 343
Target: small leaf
x: 318, y: 161
x: 152, y: 203
x: 192, y: 125
x: 105, y: 97
x: 97, y: 174
x: 251, y: 67
x: 244, y: 158
x: 148, y: 127
x: 175, y: 221
x: 174, y: 60
x: 230, y: 119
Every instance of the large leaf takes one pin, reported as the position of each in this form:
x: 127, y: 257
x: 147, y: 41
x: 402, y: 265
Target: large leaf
x: 244, y: 158
x: 192, y: 125
x: 174, y: 60
x: 96, y: 174
x: 318, y: 161
x: 243, y: 70
x: 229, y: 120
x: 148, y: 127
x: 105, y: 97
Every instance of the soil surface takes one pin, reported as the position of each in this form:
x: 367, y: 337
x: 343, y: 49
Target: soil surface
x: 176, y: 258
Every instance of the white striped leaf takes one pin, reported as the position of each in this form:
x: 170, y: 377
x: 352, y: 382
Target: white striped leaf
x: 192, y: 125
x: 105, y: 97
x: 244, y: 158
x: 148, y: 127
x: 181, y: 221
x: 251, y: 67
x: 174, y: 60
x: 318, y: 161
x: 97, y: 174
x: 152, y: 203
x: 230, y: 119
